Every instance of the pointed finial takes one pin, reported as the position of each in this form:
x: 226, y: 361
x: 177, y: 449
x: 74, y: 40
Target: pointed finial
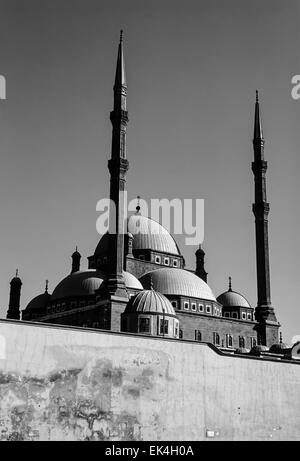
x: 257, y: 100
x: 280, y: 337
x: 121, y: 35
x: 46, y: 287
x: 76, y: 249
x: 17, y: 272
x: 138, y: 208
x: 230, y: 283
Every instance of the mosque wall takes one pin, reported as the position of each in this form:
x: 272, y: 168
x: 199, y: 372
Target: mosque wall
x: 189, y: 323
x: 67, y: 383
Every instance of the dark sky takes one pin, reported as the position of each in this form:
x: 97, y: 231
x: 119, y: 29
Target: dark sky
x: 192, y: 71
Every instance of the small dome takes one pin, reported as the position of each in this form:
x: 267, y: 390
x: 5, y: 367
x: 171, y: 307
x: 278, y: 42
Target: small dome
x: 233, y: 299
x: 241, y: 350
x: 171, y: 281
x: 85, y: 283
x: 256, y: 350
x: 39, y: 302
x: 149, y: 301
x: 147, y: 234
x: 279, y: 348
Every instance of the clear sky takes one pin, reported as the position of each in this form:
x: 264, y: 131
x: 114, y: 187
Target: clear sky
x: 192, y: 70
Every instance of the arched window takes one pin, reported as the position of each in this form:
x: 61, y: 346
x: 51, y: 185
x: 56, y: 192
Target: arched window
x: 198, y: 335
x: 241, y: 341
x: 229, y: 341
x: 216, y: 339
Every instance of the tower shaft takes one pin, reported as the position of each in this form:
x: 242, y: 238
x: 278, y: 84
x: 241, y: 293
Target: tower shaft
x: 264, y: 311
x: 118, y: 166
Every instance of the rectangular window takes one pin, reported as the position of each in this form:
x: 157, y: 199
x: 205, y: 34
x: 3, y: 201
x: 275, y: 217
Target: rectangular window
x: 186, y: 305
x: 176, y: 328
x: 166, y: 261
x: 234, y: 315
x: 174, y: 304
x: 180, y: 334
x: 249, y: 316
x: 193, y: 306
x: 157, y: 259
x: 201, y: 308
x: 175, y: 263
x: 226, y: 314
x: 144, y: 325
x: 164, y: 327
x: 243, y: 315
x: 208, y: 309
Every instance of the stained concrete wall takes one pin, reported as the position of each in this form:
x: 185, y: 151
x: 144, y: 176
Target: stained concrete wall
x: 63, y: 383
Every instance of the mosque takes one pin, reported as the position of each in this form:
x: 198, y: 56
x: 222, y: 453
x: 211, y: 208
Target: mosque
x: 137, y: 282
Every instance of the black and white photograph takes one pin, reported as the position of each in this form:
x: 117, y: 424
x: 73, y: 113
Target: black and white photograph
x: 149, y: 210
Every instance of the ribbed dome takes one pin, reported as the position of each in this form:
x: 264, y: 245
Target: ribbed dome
x: 39, y: 302
x: 233, y: 299
x: 177, y: 282
x: 147, y: 234
x: 84, y: 283
x: 149, y: 301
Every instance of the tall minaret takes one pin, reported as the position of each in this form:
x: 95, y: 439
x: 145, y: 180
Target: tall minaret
x: 14, y: 298
x: 264, y: 312
x: 118, y: 166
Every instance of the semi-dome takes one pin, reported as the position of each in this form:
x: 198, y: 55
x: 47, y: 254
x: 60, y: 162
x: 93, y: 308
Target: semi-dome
x: 149, y: 301
x: 84, y: 283
x: 233, y: 299
x: 39, y: 302
x: 169, y: 281
x: 80, y: 283
x: 147, y: 234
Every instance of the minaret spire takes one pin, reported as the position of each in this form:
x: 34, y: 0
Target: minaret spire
x: 264, y: 312
x: 200, y: 262
x: 14, y: 298
x: 118, y: 166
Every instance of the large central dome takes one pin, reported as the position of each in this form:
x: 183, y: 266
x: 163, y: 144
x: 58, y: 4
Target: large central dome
x: 147, y: 235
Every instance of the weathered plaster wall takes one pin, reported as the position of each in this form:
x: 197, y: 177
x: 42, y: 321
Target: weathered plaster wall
x: 61, y: 383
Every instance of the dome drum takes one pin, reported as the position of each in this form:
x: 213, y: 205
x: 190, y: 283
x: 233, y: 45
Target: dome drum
x: 150, y: 313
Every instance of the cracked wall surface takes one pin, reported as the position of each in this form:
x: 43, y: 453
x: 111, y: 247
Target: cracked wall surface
x: 61, y: 383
